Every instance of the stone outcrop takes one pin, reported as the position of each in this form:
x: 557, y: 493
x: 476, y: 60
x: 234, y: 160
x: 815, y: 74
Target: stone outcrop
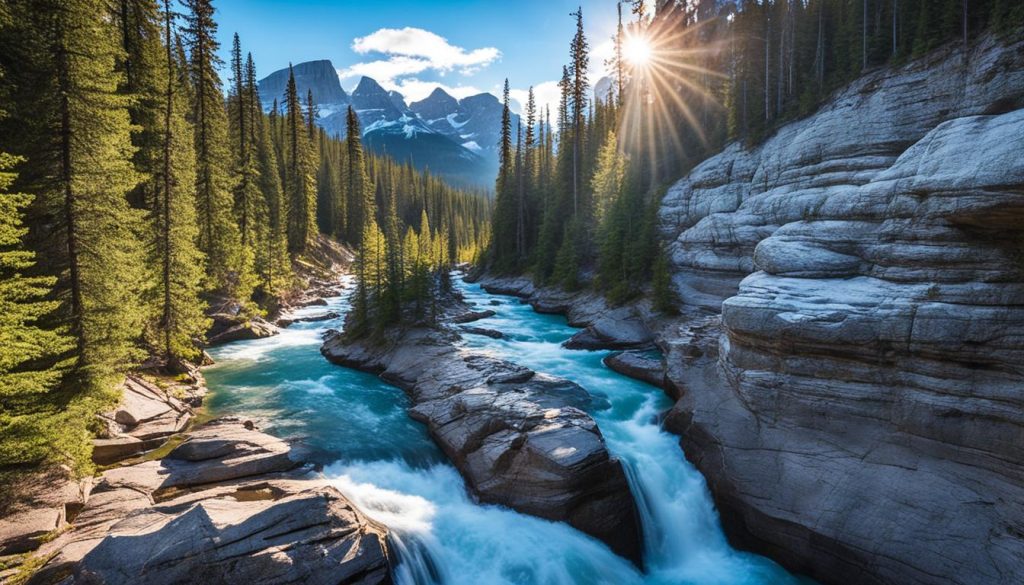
x: 231, y: 327
x: 228, y: 505
x: 147, y: 415
x: 639, y: 366
x: 288, y: 321
x: 858, y: 409
x: 521, y: 439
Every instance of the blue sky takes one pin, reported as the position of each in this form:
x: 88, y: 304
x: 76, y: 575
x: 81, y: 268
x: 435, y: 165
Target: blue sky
x: 466, y: 46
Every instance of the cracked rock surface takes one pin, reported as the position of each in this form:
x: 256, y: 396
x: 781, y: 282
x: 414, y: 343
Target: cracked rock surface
x: 228, y: 505
x: 859, y: 411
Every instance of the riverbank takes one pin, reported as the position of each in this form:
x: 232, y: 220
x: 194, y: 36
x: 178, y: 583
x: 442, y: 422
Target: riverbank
x: 160, y: 407
x: 227, y: 504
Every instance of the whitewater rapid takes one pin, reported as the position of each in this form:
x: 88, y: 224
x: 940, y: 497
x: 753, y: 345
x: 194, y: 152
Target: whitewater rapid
x: 387, y: 465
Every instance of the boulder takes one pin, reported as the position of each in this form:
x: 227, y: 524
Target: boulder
x: 470, y: 316
x: 483, y: 331
x: 253, y: 328
x: 639, y: 366
x: 287, y: 321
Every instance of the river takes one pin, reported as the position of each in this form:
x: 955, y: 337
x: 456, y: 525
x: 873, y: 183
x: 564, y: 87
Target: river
x: 387, y: 464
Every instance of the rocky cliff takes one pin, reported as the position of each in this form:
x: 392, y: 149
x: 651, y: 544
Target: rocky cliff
x: 858, y: 406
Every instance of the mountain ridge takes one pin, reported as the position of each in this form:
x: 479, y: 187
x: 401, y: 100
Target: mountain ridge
x: 457, y: 139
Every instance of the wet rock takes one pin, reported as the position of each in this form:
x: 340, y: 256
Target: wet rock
x: 228, y: 328
x: 470, y: 316
x: 520, y: 439
x: 287, y: 321
x: 483, y: 331
x: 639, y: 366
x: 516, y: 286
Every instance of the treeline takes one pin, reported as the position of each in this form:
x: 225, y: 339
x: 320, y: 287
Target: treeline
x: 580, y: 205
x: 135, y: 190
x: 573, y: 207
x: 402, y: 260
x: 739, y: 70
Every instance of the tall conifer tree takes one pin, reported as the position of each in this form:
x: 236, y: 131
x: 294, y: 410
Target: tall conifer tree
x: 228, y: 266
x: 180, y: 262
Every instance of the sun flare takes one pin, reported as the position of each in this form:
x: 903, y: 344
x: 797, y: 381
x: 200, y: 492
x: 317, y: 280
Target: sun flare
x: 637, y: 50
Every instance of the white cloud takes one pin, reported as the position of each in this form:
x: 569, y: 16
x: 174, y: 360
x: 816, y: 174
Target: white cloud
x: 599, y: 57
x: 415, y: 90
x: 546, y: 94
x: 408, y: 52
x: 425, y: 45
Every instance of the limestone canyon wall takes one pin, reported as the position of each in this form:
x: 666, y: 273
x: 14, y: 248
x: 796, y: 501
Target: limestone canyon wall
x: 859, y: 410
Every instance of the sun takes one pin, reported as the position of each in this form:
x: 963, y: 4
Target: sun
x: 637, y: 50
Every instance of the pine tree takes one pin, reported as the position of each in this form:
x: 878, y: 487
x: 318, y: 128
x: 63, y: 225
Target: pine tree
x: 34, y: 426
x: 272, y: 261
x: 247, y: 197
x: 301, y: 183
x: 663, y: 295
x: 608, y: 175
x: 505, y: 221
x: 138, y: 23
x: 228, y: 267
x: 392, y: 302
x: 74, y: 128
x: 580, y: 63
x: 360, y: 200
x: 180, y: 263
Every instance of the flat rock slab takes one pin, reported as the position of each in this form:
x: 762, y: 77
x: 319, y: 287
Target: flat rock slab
x: 520, y: 439
x: 241, y: 511
x: 470, y: 316
x: 145, y: 418
x: 278, y: 532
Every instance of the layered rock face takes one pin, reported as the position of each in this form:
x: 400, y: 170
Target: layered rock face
x: 521, y: 439
x: 228, y: 505
x: 859, y: 411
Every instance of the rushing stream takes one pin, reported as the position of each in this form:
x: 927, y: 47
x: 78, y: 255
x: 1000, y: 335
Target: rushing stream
x: 387, y: 464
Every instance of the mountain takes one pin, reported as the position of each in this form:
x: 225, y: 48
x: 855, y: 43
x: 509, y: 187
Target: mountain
x: 319, y: 76
x: 604, y: 88
x: 473, y: 122
x: 392, y: 127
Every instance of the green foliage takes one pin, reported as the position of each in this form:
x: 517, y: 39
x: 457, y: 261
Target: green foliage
x: 663, y: 294
x: 177, y: 261
x: 34, y: 426
x: 150, y: 191
x: 300, y: 183
x: 228, y: 263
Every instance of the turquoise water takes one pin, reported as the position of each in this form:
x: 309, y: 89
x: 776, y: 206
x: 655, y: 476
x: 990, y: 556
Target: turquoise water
x: 386, y: 463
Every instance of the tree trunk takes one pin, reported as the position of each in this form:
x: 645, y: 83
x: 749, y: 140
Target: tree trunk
x: 168, y: 183
x: 70, y: 218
